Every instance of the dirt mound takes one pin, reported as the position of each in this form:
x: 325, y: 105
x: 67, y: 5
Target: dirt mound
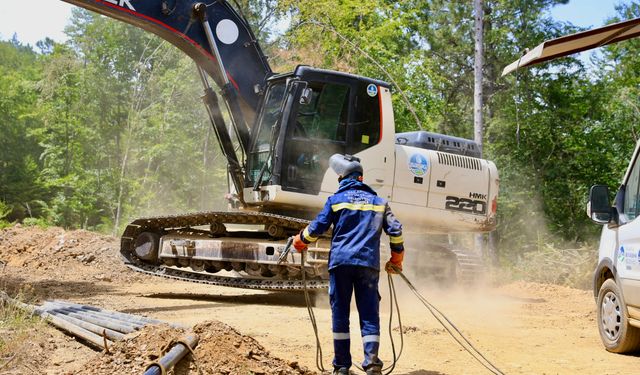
x: 221, y: 350
x: 55, y: 254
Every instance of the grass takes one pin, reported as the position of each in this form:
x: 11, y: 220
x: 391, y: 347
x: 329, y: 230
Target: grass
x: 18, y: 330
x: 552, y: 264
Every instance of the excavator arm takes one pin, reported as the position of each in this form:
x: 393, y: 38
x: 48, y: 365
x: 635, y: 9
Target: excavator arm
x: 220, y: 41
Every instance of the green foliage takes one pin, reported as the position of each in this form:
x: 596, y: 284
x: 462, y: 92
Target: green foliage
x: 36, y: 222
x: 104, y: 128
x: 4, y: 212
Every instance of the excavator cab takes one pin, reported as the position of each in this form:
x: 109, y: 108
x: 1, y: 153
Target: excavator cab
x: 307, y: 116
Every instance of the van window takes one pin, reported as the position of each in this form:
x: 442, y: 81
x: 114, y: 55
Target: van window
x: 631, y: 195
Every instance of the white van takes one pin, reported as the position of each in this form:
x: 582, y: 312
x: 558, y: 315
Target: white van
x: 616, y: 282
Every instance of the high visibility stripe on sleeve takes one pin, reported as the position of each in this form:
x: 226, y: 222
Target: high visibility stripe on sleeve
x: 307, y: 236
x: 370, y: 338
x: 358, y: 207
x: 341, y: 336
x: 396, y: 239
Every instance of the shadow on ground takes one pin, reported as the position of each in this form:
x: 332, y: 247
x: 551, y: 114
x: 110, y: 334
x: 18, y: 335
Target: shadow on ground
x: 270, y: 299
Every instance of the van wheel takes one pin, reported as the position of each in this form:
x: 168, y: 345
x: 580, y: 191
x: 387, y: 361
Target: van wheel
x: 613, y: 320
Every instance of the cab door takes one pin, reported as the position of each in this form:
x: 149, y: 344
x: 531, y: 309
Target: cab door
x: 628, y: 238
x: 313, y: 134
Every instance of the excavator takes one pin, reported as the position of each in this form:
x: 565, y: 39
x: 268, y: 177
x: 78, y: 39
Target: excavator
x: 277, y: 139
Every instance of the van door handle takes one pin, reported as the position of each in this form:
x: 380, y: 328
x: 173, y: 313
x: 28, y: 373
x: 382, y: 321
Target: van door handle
x: 379, y: 180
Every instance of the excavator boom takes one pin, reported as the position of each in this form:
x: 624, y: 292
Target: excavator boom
x: 242, y: 67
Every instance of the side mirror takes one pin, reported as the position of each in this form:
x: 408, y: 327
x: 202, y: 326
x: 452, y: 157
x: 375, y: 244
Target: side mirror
x: 305, y: 97
x: 598, y: 207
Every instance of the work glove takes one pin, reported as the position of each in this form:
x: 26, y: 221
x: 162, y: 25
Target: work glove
x: 395, y: 263
x: 298, y: 244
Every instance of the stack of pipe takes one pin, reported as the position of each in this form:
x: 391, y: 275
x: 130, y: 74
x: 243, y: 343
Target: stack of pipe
x: 96, y: 326
x: 100, y: 327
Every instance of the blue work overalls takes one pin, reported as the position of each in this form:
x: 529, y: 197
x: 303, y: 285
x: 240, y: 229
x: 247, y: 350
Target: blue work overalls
x: 358, y: 216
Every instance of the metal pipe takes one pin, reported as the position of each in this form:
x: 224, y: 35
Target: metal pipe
x: 116, y: 326
x: 201, y: 11
x: 75, y: 330
x: 109, y: 312
x: 99, y: 315
x: 99, y: 330
x: 64, y: 325
x: 177, y: 352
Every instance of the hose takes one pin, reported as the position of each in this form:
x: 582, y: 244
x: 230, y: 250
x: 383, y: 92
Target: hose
x: 312, y: 316
x: 393, y: 299
x: 469, y: 348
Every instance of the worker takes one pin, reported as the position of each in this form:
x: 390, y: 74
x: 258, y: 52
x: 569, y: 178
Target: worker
x: 358, y: 216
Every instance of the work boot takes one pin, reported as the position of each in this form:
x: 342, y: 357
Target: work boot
x: 374, y: 370
x: 340, y: 371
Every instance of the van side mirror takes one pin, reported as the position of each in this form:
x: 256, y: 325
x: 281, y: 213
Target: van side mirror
x: 598, y: 207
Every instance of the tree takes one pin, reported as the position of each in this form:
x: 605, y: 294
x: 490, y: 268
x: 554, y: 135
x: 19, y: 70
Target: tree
x: 21, y: 188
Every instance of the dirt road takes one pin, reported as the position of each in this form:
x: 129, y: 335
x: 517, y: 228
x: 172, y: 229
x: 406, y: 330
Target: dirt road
x: 523, y: 328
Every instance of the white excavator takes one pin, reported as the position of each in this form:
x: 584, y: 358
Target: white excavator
x: 282, y: 130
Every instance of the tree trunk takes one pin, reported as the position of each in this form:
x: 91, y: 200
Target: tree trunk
x: 477, y: 70
x: 477, y: 89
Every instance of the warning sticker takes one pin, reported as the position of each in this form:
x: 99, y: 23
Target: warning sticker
x: 418, y: 165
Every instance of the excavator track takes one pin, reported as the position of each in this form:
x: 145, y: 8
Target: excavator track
x: 163, y: 224
x: 235, y: 282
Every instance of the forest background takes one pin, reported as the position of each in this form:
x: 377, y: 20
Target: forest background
x: 108, y: 126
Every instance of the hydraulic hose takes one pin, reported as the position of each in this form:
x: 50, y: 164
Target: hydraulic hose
x: 450, y: 328
x: 437, y: 314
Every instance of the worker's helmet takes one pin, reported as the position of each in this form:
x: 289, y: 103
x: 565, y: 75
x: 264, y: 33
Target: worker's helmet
x: 345, y: 165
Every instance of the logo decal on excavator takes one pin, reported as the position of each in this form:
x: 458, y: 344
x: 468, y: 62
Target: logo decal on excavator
x: 372, y: 90
x: 122, y: 3
x: 418, y: 165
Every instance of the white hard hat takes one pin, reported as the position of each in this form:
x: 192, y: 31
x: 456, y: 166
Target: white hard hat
x: 344, y: 165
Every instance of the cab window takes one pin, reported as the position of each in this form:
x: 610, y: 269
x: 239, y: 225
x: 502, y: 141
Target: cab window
x: 366, y: 126
x: 325, y: 116
x: 317, y: 131
x: 631, y: 193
